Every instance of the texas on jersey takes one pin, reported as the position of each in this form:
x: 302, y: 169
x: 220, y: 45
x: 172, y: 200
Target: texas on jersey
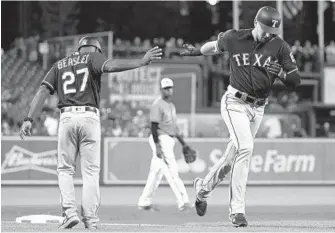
x: 76, y: 79
x: 248, y: 60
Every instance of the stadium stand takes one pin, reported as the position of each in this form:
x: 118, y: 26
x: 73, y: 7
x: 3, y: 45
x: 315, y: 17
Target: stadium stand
x: 21, y: 65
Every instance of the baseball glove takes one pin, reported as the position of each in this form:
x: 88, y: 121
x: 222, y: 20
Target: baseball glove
x: 190, y: 154
x: 274, y: 68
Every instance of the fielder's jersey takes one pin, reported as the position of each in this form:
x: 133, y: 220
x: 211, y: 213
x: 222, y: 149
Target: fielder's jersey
x: 164, y: 113
x: 248, y: 59
x: 77, y: 79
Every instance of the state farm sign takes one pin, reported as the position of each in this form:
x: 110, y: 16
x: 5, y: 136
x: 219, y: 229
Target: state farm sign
x: 273, y: 161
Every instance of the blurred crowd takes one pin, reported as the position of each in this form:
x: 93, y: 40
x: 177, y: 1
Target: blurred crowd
x: 44, y: 125
x: 306, y: 54
x: 130, y: 118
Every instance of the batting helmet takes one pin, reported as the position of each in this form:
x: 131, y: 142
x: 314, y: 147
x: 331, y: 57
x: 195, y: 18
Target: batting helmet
x: 87, y: 41
x: 269, y: 19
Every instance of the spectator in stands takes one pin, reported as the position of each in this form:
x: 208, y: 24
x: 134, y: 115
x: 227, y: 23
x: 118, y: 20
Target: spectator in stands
x: 180, y: 43
x: 140, y: 121
x: 103, y: 109
x: 326, y: 131
x: 116, y: 128
x: 299, y: 132
x: 292, y: 101
x: 330, y: 53
x: 308, y: 56
x: 274, y: 105
x: 146, y: 44
x: 298, y: 54
x: 49, y: 121
x: 21, y: 47
x: 315, y: 59
x: 272, y: 127
x: 171, y: 43
x: 5, y: 128
x: 39, y: 128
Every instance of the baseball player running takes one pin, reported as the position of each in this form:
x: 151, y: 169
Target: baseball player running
x: 77, y: 81
x: 257, y: 57
x: 164, y: 129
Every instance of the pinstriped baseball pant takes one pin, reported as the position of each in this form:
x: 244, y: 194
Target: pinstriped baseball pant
x: 243, y: 121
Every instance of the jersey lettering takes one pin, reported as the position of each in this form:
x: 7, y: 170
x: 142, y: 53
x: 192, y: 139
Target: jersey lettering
x: 258, y: 60
x: 244, y: 59
x: 72, y: 61
x: 274, y: 23
x: 292, y: 58
x: 70, y: 78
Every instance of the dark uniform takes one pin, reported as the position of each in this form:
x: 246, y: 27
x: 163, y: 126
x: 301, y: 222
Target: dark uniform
x: 242, y: 108
x: 77, y: 81
x: 248, y: 59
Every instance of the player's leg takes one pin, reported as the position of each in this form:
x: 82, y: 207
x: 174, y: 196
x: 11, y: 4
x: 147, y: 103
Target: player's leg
x: 170, y: 169
x: 67, y: 153
x: 236, y: 116
x: 256, y: 120
x: 89, y: 149
x: 154, y: 178
x: 217, y: 173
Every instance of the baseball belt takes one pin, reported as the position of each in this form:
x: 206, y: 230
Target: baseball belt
x: 250, y: 99
x: 80, y: 109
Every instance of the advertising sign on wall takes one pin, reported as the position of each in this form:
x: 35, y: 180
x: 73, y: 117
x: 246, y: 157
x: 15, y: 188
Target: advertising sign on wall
x: 306, y: 161
x: 33, y: 161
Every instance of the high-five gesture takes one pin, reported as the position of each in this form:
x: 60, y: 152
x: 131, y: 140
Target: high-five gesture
x: 189, y: 50
x: 153, y: 54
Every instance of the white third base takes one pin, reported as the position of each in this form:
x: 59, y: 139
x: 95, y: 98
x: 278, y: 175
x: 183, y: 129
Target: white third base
x: 42, y: 218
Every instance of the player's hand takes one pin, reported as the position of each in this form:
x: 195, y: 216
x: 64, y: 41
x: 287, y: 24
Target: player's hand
x: 275, y: 69
x: 25, y: 129
x: 188, y: 50
x: 159, y: 151
x: 153, y: 54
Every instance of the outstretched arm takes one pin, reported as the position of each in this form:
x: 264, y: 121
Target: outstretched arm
x: 209, y: 48
x: 122, y: 65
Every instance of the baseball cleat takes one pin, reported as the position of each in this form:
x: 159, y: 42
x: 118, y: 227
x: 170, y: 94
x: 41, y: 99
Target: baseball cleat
x: 185, y: 207
x: 91, y: 226
x: 238, y: 220
x: 151, y: 208
x: 68, y: 223
x: 200, y: 205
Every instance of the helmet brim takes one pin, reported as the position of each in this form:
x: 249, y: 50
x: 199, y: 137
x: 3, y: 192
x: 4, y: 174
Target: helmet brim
x: 90, y: 46
x: 270, y: 30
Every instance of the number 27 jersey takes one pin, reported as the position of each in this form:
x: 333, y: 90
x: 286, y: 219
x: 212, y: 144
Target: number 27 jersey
x: 76, y: 79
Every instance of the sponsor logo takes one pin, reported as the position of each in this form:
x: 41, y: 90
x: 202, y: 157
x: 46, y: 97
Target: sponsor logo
x: 272, y: 161
x: 275, y: 162
x: 19, y: 159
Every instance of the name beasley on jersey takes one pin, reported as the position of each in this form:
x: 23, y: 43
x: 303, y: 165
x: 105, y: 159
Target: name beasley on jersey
x: 243, y: 59
x: 72, y: 61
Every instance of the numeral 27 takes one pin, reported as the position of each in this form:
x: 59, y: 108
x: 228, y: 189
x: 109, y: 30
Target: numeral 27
x: 70, y: 78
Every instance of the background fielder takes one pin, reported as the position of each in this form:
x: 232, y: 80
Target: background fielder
x: 257, y: 57
x: 77, y: 81
x: 164, y: 129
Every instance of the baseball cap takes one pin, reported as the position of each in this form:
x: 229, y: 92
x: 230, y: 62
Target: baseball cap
x: 269, y: 19
x: 166, y: 82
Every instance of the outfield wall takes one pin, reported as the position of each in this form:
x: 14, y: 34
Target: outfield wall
x: 126, y: 161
